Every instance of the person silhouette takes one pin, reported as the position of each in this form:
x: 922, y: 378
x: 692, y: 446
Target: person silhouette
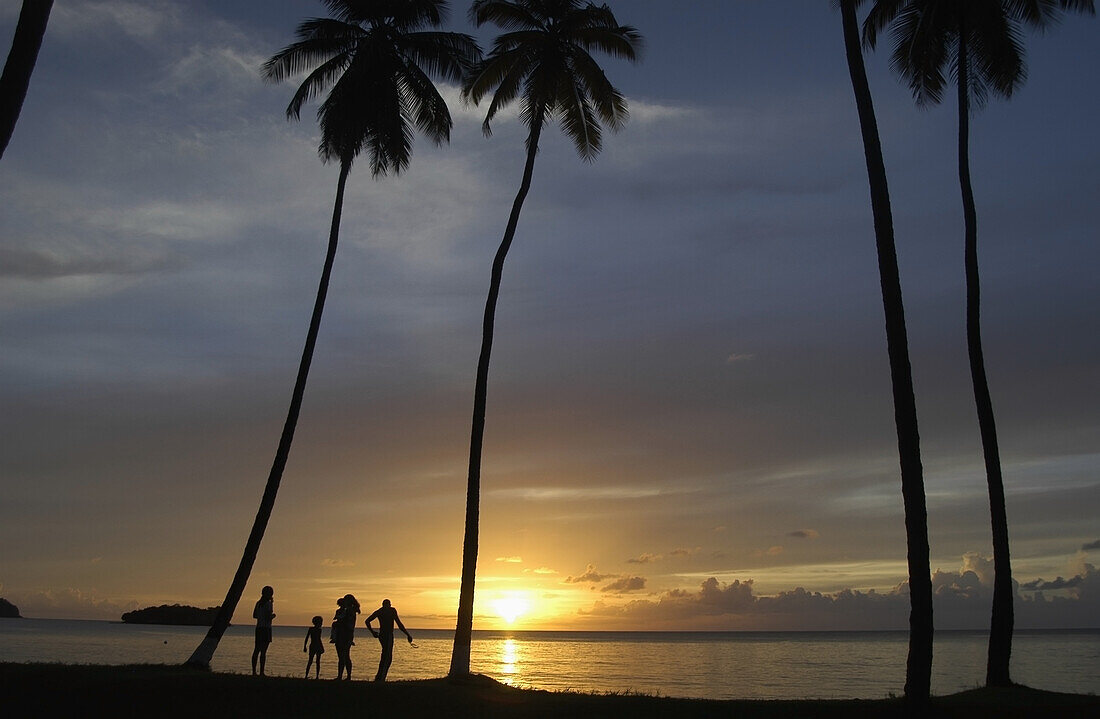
x: 316, y: 646
x: 263, y: 613
x: 386, y: 616
x: 343, y: 633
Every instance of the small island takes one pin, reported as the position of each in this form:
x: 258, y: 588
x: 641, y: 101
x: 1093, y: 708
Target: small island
x: 172, y: 614
x: 9, y: 610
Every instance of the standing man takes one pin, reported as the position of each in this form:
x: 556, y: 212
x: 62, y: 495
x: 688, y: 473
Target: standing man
x: 263, y: 613
x: 386, y: 616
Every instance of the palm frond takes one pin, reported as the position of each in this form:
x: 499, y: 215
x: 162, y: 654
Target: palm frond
x: 375, y: 61
x: 979, y: 42
x: 404, y: 15
x: 622, y: 42
x: 609, y: 103
x: 491, y: 72
x: 997, y: 49
x: 528, y: 39
x: 319, y: 40
x: 923, y: 37
x: 322, y: 78
x: 448, y: 55
x: 1043, y: 14
x: 421, y: 101
x: 543, y: 60
x: 578, y: 119
x: 882, y: 15
x: 504, y: 14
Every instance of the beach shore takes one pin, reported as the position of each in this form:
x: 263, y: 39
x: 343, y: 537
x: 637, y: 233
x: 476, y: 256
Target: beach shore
x: 48, y: 690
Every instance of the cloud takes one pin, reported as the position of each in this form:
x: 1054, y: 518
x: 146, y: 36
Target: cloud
x: 1058, y: 583
x: 39, y: 264
x: 961, y: 598
x: 590, y: 575
x: 649, y: 112
x: 1090, y: 545
x: 804, y: 534
x: 139, y: 20
x: 625, y: 583
x: 684, y: 552
x: 772, y: 551
x: 544, y: 570
x: 336, y: 563
x: 739, y: 357
x: 644, y: 558
x: 510, y: 560
x: 736, y: 606
x: 578, y: 493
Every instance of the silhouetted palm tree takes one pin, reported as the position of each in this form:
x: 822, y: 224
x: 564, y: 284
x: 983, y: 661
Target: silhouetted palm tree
x: 544, y: 62
x: 377, y: 62
x: 918, y: 671
x: 977, y: 43
x: 16, y: 77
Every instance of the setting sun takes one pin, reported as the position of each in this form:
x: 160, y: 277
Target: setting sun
x: 511, y: 607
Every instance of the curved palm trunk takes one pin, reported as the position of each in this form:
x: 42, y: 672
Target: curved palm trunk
x: 16, y: 77
x: 919, y: 664
x: 1000, y: 630
x: 205, y: 651
x: 460, y: 654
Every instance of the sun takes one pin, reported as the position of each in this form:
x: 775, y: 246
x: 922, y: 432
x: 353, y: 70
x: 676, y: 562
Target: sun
x: 510, y: 607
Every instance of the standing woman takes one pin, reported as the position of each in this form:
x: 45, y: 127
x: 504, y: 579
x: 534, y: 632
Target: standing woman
x: 343, y: 632
x: 263, y: 613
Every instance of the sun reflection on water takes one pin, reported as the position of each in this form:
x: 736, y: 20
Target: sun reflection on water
x: 509, y: 658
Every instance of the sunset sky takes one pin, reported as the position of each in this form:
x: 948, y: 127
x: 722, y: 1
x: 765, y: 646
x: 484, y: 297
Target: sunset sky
x: 689, y: 422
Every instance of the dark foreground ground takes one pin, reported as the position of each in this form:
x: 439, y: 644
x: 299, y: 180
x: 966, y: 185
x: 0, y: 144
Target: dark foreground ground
x: 57, y: 690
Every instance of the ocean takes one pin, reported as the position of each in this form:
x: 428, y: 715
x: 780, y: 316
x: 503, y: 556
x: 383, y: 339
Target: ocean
x: 714, y: 665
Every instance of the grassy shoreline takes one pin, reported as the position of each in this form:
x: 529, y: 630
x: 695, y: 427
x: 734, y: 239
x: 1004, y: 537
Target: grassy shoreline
x: 47, y: 690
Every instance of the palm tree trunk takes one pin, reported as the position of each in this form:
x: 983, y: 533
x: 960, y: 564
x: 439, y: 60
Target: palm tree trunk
x: 205, y: 651
x: 16, y: 77
x: 1000, y: 630
x: 460, y: 654
x: 919, y: 664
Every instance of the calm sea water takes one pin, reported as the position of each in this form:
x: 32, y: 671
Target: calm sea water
x: 717, y: 665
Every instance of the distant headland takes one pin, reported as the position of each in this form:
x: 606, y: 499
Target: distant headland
x: 172, y: 614
x: 9, y: 610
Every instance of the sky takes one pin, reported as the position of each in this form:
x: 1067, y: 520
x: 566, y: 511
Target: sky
x: 689, y: 415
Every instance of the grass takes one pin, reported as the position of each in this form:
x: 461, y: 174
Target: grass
x: 59, y: 690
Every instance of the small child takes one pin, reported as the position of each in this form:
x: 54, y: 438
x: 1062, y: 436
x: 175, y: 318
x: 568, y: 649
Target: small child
x: 316, y: 647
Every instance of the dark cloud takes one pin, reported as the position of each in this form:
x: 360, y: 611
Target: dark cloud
x: 962, y: 600
x: 683, y: 552
x: 644, y: 558
x: 1057, y: 583
x: 625, y: 583
x: 36, y: 264
x: 590, y: 575
x: 804, y: 534
x: 1090, y: 545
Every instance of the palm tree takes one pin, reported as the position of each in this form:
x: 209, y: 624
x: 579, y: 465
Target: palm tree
x: 544, y: 62
x: 16, y: 77
x: 377, y: 62
x: 979, y: 45
x: 918, y: 671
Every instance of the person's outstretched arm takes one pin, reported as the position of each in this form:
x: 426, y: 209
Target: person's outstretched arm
x: 306, y: 641
x: 402, y: 627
